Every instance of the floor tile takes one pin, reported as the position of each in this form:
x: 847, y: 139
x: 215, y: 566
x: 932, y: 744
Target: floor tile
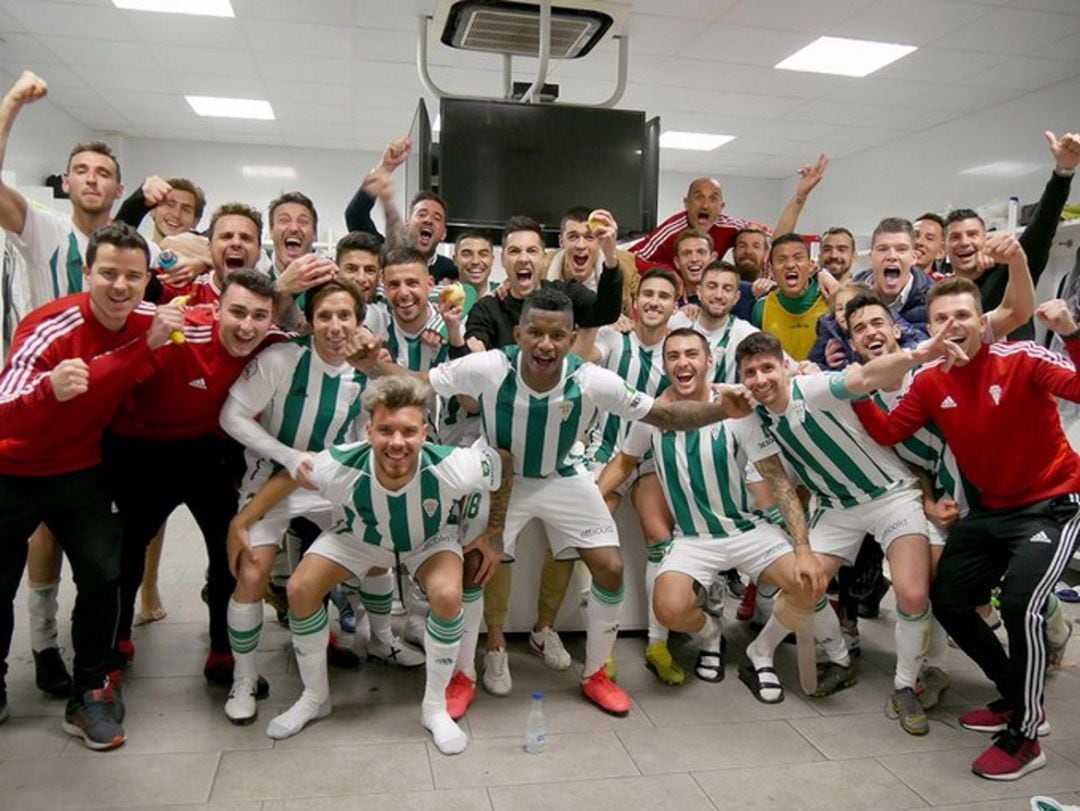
x: 199, y: 731
x: 503, y: 761
x: 321, y: 771
x: 854, y: 736
x: 663, y: 791
x: 491, y: 717
x: 945, y: 777
x: 700, y: 702
x: 31, y: 738
x: 139, y: 781
x: 465, y: 799
x: 717, y: 746
x: 358, y: 724
x: 808, y: 787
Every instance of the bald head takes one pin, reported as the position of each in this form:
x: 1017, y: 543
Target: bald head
x: 704, y: 202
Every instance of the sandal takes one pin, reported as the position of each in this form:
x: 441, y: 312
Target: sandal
x: 759, y: 679
x: 710, y: 664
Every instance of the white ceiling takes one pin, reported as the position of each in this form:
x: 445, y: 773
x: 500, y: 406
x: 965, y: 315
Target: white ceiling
x: 342, y: 73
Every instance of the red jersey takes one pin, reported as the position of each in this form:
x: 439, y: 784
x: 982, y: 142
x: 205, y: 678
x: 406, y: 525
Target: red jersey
x: 998, y: 414
x: 40, y: 436
x: 658, y: 248
x: 202, y: 290
x: 184, y: 396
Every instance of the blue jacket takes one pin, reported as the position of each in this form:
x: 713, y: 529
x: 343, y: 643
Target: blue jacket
x: 914, y: 311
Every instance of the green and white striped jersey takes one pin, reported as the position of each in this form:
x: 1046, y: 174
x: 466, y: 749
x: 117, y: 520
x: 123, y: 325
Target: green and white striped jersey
x: 411, y: 353
x: 703, y: 473
x: 402, y: 520
x: 926, y: 449
x: 641, y: 367
x: 722, y: 344
x: 825, y: 443
x: 302, y: 403
x: 538, y: 428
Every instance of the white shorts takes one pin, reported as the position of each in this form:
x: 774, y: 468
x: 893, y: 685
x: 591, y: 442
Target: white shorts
x: 839, y: 531
x: 750, y: 552
x: 571, y: 509
x: 360, y: 558
x: 270, y: 529
x: 935, y: 534
x: 644, y: 467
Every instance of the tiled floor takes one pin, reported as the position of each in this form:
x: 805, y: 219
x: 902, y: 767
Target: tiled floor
x: 699, y: 746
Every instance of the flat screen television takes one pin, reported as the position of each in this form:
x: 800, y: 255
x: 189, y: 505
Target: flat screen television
x: 418, y: 165
x: 498, y: 159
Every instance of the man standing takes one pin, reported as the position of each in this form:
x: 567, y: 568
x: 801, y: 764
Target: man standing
x: 791, y: 311
x: 838, y: 252
x: 71, y: 362
x: 893, y: 275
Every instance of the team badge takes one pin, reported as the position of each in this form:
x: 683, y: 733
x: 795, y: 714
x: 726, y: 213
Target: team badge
x: 995, y: 394
x: 566, y: 408
x: 430, y: 505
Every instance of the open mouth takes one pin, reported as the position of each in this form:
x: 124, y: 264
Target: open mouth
x: 704, y: 219
x: 524, y: 276
x: 235, y: 261
x: 293, y: 245
x: 543, y: 364
x: 580, y: 261
x: 892, y: 274
x: 685, y: 377
x: 791, y: 278
x: 424, y: 237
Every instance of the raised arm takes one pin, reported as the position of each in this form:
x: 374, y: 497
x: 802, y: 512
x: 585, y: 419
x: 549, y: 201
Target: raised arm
x: 1052, y: 373
x: 1038, y: 236
x: 666, y: 414
x: 27, y: 89
x: 809, y: 176
x: 1018, y: 301
x: 888, y: 371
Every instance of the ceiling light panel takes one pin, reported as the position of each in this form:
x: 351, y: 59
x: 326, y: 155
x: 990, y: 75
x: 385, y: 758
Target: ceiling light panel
x: 215, y: 107
x: 206, y: 8
x: 840, y: 56
x: 698, y: 141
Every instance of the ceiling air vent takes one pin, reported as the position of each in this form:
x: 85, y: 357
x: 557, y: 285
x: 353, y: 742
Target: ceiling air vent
x: 498, y: 26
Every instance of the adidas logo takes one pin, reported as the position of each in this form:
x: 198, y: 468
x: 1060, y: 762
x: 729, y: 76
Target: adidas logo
x: 198, y: 383
x: 1040, y: 537
x: 948, y: 402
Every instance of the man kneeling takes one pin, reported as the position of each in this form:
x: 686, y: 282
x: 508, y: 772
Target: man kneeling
x: 392, y: 494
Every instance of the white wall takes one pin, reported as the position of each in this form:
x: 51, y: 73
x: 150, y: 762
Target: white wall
x: 41, y: 139
x: 923, y: 172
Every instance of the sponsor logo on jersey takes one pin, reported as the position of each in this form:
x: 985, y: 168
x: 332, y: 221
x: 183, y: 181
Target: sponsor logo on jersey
x: 1040, y: 537
x: 948, y: 402
x: 430, y: 505
x: 995, y: 393
x: 198, y: 383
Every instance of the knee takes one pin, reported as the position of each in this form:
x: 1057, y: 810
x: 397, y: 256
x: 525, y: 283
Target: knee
x: 445, y: 600
x: 608, y: 572
x: 670, y: 604
x: 912, y: 595
x: 301, y: 595
x: 251, y: 580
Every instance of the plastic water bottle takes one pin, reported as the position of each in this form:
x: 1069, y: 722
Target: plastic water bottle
x: 166, y: 259
x: 1013, y: 215
x: 536, y: 726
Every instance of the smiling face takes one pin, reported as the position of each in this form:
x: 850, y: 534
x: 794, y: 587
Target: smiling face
x: 91, y: 182
x: 891, y: 257
x: 791, y: 268
x: 581, y: 247
x: 545, y: 338
x: 691, y: 257
x: 244, y: 319
x: 334, y: 323
x: 176, y: 214
x: 396, y: 437
x: 873, y: 332
x: 427, y: 226
x: 704, y: 203
x: 524, y: 261
x: 929, y: 243
x: 967, y: 316
x: 473, y: 257
x: 686, y: 364
x: 764, y: 376
x: 234, y: 245
x: 655, y: 302
x: 749, y: 254
x: 292, y: 229
x: 406, y: 288
x: 837, y: 255
x: 963, y: 242
x: 116, y: 284
x: 718, y: 293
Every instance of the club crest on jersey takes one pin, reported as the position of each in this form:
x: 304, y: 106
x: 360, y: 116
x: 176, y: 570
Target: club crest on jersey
x: 566, y: 408
x: 430, y: 505
x: 995, y: 393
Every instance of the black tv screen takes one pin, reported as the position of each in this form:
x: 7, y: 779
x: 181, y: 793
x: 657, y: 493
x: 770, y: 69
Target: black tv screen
x: 499, y: 159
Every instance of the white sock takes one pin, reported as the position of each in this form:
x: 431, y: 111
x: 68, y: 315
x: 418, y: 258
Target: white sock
x: 377, y: 597
x: 245, y: 624
x: 41, y: 600
x: 472, y: 606
x: 310, y: 636
x: 936, y: 647
x: 442, y: 642
x: 602, y: 626
x: 655, y: 555
x: 762, y: 650
x: 910, y: 635
x: 708, y: 636
x: 828, y: 635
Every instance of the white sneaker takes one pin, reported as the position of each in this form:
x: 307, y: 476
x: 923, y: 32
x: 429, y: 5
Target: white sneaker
x: 395, y: 652
x: 414, y: 630
x: 298, y: 716
x: 496, y: 678
x: 241, y: 707
x: 546, y: 644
